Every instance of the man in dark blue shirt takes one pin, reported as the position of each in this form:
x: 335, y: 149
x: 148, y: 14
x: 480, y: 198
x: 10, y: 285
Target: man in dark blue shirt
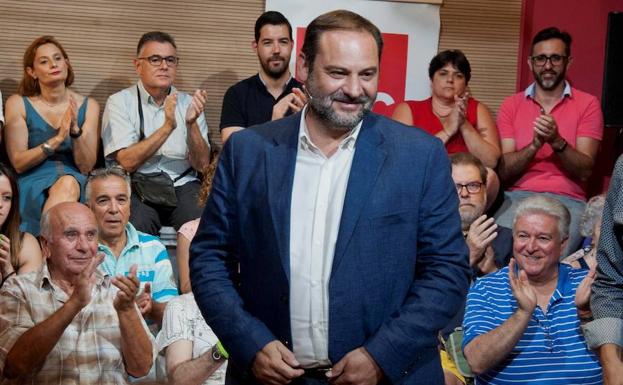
x: 272, y: 93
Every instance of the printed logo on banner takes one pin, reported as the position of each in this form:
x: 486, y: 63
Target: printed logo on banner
x: 392, y: 79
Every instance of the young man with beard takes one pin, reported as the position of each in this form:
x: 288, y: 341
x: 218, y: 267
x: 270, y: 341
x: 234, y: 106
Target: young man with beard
x: 550, y: 134
x: 272, y: 93
x: 323, y: 254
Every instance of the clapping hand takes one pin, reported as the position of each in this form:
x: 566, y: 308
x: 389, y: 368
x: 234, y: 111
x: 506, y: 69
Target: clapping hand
x: 522, y: 289
x: 294, y: 101
x: 144, y: 301
x: 83, y: 284
x: 583, y: 294
x: 6, y: 267
x: 128, y: 287
x: 480, y: 235
x: 69, y: 119
x: 196, y: 107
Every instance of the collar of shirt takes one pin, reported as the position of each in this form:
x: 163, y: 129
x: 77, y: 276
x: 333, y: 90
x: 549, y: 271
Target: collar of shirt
x: 45, y: 279
x: 147, y: 98
x: 305, y: 143
x: 529, y: 92
x: 131, y: 241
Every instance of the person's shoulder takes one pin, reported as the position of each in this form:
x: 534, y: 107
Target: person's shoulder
x: 584, y: 98
x: 513, y: 99
x: 267, y: 132
x: 496, y: 282
x: 15, y: 101
x: 242, y: 85
x: 122, y: 94
x: 402, y: 135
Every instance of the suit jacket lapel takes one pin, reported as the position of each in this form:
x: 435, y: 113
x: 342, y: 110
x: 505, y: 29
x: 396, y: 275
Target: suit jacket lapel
x: 280, y: 163
x: 367, y: 163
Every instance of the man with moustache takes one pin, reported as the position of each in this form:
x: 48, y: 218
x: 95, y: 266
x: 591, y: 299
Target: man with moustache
x: 550, y: 134
x: 153, y: 128
x: 272, y: 93
x: 490, y: 245
x: 323, y: 255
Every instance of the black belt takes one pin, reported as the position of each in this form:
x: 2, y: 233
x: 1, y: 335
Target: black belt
x: 319, y: 373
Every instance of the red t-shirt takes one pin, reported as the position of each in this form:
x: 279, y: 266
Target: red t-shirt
x: 425, y: 118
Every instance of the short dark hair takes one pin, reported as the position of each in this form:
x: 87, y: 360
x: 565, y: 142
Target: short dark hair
x: 332, y: 21
x: 450, y: 56
x: 467, y: 159
x: 160, y: 37
x: 271, y: 18
x: 553, y: 33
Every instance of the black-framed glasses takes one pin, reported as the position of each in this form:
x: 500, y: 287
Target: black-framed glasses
x: 156, y: 60
x: 472, y: 187
x: 541, y: 60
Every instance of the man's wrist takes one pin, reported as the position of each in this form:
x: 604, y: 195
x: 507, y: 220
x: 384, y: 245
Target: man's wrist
x: 559, y: 145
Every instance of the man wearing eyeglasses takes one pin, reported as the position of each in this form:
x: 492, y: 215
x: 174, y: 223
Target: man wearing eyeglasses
x: 550, y: 134
x: 152, y: 128
x: 490, y: 245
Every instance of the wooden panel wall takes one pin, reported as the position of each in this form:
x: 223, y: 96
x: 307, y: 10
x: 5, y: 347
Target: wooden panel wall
x: 487, y: 31
x: 214, y: 42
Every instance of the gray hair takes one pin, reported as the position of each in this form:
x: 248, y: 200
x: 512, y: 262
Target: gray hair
x: 46, y: 229
x: 543, y: 204
x: 105, y: 173
x: 592, y: 214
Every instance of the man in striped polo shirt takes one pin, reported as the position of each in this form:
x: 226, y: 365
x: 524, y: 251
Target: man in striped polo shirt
x: 108, y: 195
x: 522, y: 323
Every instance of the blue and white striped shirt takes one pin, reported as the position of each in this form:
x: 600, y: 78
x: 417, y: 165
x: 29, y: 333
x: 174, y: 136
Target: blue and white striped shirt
x: 552, y: 349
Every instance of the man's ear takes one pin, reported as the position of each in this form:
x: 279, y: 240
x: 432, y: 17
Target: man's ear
x: 45, y: 247
x: 302, y: 68
x: 569, y: 61
x: 254, y: 46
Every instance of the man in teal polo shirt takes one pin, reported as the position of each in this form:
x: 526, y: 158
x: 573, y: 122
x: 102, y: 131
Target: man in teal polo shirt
x: 108, y: 195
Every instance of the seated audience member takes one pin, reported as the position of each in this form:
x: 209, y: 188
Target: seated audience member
x: 108, y: 194
x: 151, y: 128
x: 190, y: 346
x: 550, y: 135
x: 19, y: 252
x: 273, y: 92
x: 51, y: 132
x: 68, y: 322
x: 605, y: 333
x: 590, y: 228
x: 187, y: 232
x: 522, y: 323
x: 461, y: 122
x: 490, y: 245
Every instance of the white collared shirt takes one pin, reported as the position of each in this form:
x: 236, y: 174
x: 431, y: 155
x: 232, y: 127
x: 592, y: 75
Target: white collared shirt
x: 318, y: 195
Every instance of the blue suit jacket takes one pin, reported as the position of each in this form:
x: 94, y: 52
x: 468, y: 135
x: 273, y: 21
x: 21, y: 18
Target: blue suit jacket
x: 400, y: 269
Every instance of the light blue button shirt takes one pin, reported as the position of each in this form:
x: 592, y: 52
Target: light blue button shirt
x: 121, y: 129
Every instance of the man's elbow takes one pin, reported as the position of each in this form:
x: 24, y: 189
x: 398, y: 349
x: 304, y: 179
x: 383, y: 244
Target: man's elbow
x: 127, y: 163
x: 15, y: 369
x: 474, y: 360
x: 141, y: 367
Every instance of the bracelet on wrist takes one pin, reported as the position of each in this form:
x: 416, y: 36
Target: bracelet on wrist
x: 47, y: 149
x: 76, y: 134
x: 221, y: 349
x: 562, y: 147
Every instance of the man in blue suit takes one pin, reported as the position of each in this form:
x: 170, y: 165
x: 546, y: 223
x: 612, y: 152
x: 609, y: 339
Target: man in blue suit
x: 330, y: 249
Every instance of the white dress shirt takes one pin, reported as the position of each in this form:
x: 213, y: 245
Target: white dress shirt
x: 318, y: 195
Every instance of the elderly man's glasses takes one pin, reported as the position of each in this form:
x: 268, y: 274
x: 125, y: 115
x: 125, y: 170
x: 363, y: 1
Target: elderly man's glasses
x: 156, y: 60
x: 472, y: 187
x: 541, y: 60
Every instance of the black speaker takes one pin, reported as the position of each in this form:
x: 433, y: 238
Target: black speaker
x: 612, y: 96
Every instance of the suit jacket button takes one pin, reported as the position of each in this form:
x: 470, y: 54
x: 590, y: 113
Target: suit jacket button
x: 284, y: 298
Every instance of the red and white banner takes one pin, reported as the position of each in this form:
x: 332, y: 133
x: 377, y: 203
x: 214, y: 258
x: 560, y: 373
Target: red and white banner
x: 410, y: 35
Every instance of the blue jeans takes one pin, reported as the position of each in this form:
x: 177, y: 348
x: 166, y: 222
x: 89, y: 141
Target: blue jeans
x: 506, y: 215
